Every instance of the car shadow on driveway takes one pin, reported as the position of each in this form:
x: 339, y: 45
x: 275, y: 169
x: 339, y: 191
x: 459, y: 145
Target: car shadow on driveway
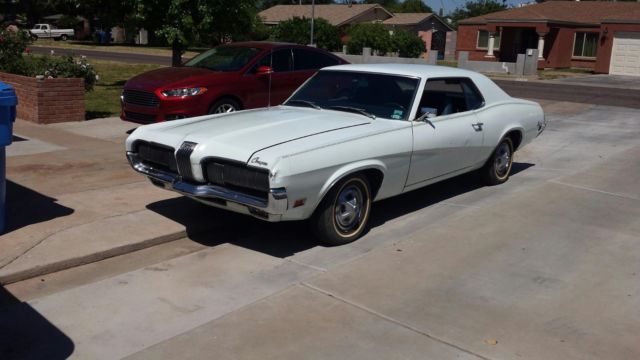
x: 211, y: 226
x: 25, y: 207
x: 25, y: 334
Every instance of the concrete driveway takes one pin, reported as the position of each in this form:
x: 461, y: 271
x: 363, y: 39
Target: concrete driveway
x: 546, y: 266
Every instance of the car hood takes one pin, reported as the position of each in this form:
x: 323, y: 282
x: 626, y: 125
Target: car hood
x: 239, y: 135
x: 169, y: 76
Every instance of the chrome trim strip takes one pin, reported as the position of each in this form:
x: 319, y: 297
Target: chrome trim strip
x: 276, y: 203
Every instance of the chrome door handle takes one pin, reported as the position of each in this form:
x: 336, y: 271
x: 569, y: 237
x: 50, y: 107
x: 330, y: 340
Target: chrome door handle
x: 477, y: 126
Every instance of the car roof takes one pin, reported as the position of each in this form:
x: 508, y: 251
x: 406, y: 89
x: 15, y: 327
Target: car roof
x: 265, y: 45
x: 490, y: 91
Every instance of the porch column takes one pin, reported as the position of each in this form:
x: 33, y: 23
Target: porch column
x: 492, y: 41
x: 541, y: 45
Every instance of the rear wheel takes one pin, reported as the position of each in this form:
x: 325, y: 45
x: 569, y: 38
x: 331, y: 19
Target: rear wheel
x: 343, y: 214
x: 63, y: 37
x: 496, y: 170
x: 224, y: 105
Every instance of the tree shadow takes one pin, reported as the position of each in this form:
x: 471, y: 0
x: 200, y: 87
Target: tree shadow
x: 27, y: 335
x: 26, y: 207
x: 90, y: 115
x: 212, y: 226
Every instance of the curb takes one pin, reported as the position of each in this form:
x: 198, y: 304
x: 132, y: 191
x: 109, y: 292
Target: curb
x: 88, y: 259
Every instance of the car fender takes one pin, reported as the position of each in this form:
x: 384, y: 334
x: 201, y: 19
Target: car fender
x: 346, y: 170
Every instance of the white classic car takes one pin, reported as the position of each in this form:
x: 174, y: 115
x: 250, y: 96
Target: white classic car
x: 351, y: 135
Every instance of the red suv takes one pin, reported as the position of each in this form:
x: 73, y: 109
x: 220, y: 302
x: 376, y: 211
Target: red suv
x: 224, y: 79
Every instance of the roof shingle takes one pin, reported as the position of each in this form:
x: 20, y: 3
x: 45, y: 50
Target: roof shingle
x: 336, y: 14
x: 580, y: 12
x: 407, y: 18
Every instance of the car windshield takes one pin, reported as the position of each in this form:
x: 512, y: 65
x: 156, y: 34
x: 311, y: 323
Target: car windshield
x: 380, y: 95
x: 224, y: 58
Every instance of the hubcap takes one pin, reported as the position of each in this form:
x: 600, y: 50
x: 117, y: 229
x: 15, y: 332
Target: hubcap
x: 348, y: 208
x: 224, y: 108
x: 503, y: 160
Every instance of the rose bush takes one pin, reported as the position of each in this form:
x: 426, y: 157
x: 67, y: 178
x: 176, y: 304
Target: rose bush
x: 13, y: 46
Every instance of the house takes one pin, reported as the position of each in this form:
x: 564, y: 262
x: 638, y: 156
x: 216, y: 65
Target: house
x: 428, y: 26
x: 603, y: 36
x: 340, y: 15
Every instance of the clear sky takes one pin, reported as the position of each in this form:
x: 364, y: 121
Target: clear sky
x: 449, y: 5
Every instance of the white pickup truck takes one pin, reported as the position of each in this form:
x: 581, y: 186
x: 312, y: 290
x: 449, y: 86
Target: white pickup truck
x: 50, y: 31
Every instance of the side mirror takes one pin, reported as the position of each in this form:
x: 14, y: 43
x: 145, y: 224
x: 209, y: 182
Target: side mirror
x: 264, y: 70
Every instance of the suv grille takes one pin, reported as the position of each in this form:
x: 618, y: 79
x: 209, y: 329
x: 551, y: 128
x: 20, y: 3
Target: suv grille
x: 237, y: 176
x: 158, y: 156
x: 143, y: 98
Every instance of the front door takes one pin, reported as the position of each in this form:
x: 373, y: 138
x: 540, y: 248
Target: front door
x: 272, y: 89
x: 447, y: 143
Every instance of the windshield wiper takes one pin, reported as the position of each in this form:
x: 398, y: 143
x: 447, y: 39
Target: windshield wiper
x: 304, y: 102
x: 352, y: 109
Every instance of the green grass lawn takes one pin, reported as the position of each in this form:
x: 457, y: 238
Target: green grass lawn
x: 104, y: 100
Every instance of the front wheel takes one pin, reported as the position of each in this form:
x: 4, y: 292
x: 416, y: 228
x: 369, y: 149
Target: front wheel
x: 224, y: 105
x: 344, y: 212
x: 496, y: 170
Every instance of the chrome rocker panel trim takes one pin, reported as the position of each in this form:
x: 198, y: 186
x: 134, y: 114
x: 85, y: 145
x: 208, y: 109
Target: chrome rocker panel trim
x: 276, y: 204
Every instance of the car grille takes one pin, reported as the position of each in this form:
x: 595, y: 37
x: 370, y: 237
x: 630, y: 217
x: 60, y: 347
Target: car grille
x: 183, y: 159
x: 237, y: 176
x: 158, y: 156
x: 138, y: 117
x: 143, y: 98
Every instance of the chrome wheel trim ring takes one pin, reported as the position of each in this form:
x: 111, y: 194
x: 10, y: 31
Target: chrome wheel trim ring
x: 502, y: 161
x: 349, y: 209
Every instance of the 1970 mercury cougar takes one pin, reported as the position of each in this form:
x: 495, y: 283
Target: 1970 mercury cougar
x: 350, y: 135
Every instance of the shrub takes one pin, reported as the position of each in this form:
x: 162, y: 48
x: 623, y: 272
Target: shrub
x: 61, y: 67
x: 14, y: 43
x: 298, y: 30
x: 407, y: 45
x: 371, y: 35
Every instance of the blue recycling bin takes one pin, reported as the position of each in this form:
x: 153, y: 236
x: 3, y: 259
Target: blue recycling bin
x: 8, y: 102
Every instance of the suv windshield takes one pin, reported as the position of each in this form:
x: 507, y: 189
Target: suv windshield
x: 224, y: 58
x: 381, y: 95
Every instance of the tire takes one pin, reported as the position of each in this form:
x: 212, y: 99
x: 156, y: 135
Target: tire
x: 343, y: 214
x: 34, y: 37
x: 224, y: 105
x: 496, y: 170
x: 63, y: 37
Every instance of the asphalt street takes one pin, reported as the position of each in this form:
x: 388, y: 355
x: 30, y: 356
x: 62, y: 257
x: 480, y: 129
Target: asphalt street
x: 523, y: 89
x: 544, y: 266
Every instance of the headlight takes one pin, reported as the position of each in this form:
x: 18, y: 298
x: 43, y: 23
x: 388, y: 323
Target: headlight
x: 184, y: 92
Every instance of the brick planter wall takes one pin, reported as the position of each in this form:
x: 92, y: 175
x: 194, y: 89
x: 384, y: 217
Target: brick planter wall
x: 47, y: 101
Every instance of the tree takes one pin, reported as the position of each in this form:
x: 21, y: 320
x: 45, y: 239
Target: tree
x: 413, y: 6
x: 185, y: 22
x: 371, y: 35
x: 476, y: 8
x: 407, y: 45
x: 297, y: 30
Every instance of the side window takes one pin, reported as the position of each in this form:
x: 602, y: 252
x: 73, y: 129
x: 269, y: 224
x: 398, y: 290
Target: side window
x: 281, y: 61
x: 443, y: 97
x: 472, y: 95
x: 311, y: 60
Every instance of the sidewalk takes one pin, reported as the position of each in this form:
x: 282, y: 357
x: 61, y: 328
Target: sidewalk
x: 73, y: 199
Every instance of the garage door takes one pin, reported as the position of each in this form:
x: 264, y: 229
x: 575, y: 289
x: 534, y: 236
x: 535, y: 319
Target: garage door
x: 625, y: 58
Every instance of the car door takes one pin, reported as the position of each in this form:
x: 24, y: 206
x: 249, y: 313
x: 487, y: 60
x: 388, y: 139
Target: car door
x: 445, y: 143
x: 274, y: 88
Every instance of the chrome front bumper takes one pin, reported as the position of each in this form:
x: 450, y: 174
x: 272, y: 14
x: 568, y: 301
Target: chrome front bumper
x: 275, y: 204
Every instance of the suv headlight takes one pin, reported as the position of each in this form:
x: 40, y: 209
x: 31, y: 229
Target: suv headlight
x: 184, y: 92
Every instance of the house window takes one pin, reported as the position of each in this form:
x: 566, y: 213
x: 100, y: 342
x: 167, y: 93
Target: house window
x: 483, y: 40
x: 585, y: 44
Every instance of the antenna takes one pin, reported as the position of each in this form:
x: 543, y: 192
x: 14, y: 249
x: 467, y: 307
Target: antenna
x: 271, y: 66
